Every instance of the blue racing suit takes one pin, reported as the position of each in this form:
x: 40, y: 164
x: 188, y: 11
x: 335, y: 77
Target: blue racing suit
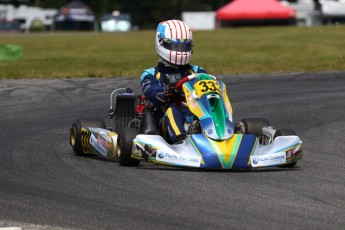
x: 154, y: 83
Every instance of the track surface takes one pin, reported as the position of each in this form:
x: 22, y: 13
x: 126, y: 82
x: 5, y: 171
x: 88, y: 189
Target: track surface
x: 43, y: 182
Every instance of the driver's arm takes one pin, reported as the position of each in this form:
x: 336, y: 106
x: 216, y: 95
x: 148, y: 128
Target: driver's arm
x: 151, y: 88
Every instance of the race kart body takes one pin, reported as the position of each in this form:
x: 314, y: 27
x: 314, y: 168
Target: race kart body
x: 217, y: 143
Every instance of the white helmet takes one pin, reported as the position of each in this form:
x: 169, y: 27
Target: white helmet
x: 174, y: 42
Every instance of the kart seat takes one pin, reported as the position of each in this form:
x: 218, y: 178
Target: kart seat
x: 124, y: 111
x: 148, y: 124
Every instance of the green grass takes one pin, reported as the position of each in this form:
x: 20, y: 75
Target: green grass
x: 224, y: 51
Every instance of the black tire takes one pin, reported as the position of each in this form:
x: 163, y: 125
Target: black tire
x: 75, y: 132
x: 290, y: 165
x: 125, y: 144
x: 254, y: 125
x: 286, y: 132
x: 125, y: 111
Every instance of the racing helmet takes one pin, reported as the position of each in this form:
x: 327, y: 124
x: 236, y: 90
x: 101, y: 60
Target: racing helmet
x: 174, y: 42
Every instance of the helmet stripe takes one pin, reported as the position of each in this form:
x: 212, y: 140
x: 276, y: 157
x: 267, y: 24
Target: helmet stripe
x: 169, y: 28
x: 172, y: 32
x: 182, y: 35
x: 180, y: 29
x: 185, y: 30
x: 187, y: 37
x: 176, y: 30
x: 176, y: 36
x: 170, y: 37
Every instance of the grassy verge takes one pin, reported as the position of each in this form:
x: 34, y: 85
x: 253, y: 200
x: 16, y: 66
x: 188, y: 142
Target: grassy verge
x: 225, y: 51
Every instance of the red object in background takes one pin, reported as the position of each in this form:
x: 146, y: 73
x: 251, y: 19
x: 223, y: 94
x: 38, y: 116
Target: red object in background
x: 255, y: 9
x: 141, y: 106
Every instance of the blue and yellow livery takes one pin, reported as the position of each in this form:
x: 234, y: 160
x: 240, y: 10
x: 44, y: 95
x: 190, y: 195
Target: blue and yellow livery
x: 216, y: 143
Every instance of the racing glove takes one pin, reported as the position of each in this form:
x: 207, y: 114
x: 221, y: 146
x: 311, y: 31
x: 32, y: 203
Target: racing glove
x: 171, y: 95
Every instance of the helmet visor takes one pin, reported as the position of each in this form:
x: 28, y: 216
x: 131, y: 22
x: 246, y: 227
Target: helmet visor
x: 178, y: 46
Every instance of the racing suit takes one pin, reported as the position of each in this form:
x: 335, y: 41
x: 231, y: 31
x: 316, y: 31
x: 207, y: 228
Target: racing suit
x: 155, y: 83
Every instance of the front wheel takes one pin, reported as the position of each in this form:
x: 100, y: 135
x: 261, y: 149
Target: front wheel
x: 125, y: 145
x: 252, y: 126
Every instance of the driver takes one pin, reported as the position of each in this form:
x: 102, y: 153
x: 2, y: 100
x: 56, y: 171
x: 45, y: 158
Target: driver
x: 174, y: 48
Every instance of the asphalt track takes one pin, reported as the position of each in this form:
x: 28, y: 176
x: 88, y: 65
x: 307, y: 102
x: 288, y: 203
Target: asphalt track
x: 44, y: 185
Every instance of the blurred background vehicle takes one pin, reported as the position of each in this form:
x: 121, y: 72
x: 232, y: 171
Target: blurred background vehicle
x: 114, y: 16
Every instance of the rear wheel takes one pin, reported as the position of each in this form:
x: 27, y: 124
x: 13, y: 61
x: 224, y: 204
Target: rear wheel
x: 125, y: 111
x: 286, y: 132
x: 125, y: 144
x: 252, y: 125
x: 76, y: 132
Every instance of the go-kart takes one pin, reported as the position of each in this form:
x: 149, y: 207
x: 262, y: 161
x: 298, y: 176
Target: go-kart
x: 213, y: 141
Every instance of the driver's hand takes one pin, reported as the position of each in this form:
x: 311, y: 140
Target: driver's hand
x: 171, y: 95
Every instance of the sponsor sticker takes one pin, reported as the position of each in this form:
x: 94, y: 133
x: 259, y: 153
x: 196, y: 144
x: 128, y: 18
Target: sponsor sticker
x: 191, y: 100
x: 178, y: 159
x: 104, y: 136
x: 145, y: 150
x: 100, y: 145
x: 267, y: 160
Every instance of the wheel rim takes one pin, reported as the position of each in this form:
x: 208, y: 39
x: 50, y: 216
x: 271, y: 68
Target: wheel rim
x: 118, y: 149
x: 73, y: 136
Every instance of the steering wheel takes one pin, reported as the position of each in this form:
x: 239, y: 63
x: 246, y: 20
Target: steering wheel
x: 188, y: 78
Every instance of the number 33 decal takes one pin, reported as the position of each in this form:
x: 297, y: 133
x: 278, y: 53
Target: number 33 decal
x: 209, y: 86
